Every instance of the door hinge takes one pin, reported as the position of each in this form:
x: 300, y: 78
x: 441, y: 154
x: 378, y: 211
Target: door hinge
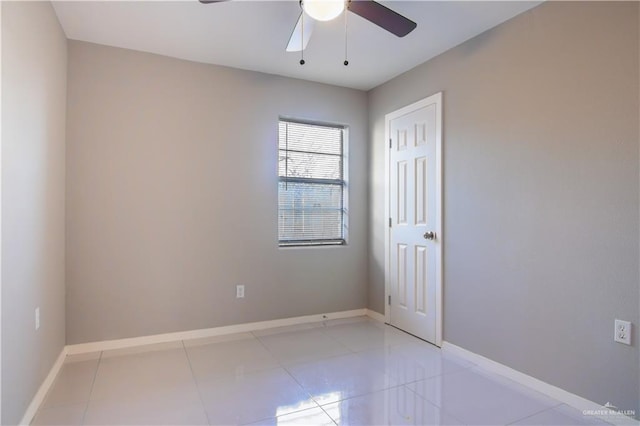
x: 389, y: 222
x: 389, y: 300
x: 390, y: 143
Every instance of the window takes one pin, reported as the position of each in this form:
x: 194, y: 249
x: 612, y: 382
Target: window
x: 311, y: 186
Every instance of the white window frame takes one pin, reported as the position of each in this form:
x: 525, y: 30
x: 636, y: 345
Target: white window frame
x: 345, y: 187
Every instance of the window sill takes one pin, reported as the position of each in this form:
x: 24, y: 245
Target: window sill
x: 312, y: 244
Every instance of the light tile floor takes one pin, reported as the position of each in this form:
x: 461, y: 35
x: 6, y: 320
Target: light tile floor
x: 348, y: 372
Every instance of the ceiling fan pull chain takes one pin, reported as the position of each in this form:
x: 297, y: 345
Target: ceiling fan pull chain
x: 346, y: 62
x: 302, y: 37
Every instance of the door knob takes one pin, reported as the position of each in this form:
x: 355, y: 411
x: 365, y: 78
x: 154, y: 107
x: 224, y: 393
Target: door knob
x: 430, y: 235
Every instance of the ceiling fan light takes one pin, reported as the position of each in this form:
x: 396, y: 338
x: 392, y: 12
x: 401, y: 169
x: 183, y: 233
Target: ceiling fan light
x: 323, y: 10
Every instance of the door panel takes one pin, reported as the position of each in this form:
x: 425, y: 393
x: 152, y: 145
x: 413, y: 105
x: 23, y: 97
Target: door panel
x: 402, y: 192
x: 402, y: 275
x: 421, y: 279
x: 422, y: 191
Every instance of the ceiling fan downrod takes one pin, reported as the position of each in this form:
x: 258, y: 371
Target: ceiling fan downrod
x: 302, y: 37
x: 346, y: 61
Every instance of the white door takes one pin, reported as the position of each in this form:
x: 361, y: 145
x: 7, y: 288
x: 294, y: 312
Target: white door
x: 414, y: 243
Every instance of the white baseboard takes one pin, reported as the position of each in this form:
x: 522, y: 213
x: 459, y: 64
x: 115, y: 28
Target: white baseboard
x: 38, y: 399
x: 561, y: 395
x: 207, y: 332
x: 376, y: 316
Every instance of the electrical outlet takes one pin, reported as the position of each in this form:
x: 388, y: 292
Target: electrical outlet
x: 622, y: 332
x: 239, y: 291
x: 37, y: 318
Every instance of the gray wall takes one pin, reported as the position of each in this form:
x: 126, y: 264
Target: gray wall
x: 172, y: 197
x: 34, y: 65
x: 540, y: 193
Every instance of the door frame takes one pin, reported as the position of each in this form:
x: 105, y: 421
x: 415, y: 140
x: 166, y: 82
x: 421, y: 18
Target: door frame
x: 437, y: 100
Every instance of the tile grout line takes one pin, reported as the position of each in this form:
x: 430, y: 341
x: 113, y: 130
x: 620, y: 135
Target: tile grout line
x: 267, y: 349
x: 294, y: 379
x: 307, y: 392
x: 363, y: 394
x: 433, y: 403
x: 281, y: 363
x: 335, y: 422
x: 535, y: 414
x: 430, y: 378
x: 324, y: 327
x: 195, y: 382
x: 93, y: 382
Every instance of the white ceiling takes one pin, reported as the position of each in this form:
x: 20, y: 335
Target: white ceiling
x: 253, y: 35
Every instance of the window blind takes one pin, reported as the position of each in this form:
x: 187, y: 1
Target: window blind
x: 311, y: 184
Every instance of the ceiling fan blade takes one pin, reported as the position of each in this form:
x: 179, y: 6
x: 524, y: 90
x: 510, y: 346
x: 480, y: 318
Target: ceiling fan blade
x: 382, y: 16
x: 296, y: 42
x: 211, y: 1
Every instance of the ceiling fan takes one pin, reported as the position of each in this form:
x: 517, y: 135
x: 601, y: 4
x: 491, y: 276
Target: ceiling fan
x: 326, y: 10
